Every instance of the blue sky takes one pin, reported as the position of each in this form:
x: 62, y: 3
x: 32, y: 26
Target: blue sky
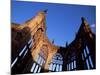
x: 62, y: 20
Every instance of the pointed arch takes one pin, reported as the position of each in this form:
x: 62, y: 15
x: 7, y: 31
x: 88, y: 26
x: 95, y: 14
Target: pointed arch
x: 56, y: 63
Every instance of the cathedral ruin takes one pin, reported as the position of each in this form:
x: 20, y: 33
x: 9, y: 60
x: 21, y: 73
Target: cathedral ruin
x: 32, y: 52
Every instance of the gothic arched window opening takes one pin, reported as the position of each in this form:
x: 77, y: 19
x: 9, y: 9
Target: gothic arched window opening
x: 35, y: 68
x: 40, y: 60
x: 86, y: 57
x: 56, y: 63
x: 71, y: 65
x: 23, y: 52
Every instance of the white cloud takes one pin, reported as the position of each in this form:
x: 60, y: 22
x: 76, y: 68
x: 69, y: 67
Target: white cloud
x: 93, y: 25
